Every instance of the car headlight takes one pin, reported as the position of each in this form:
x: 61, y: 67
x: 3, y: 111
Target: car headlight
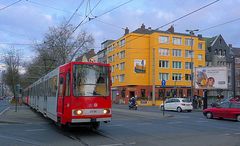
x: 106, y: 111
x: 78, y: 112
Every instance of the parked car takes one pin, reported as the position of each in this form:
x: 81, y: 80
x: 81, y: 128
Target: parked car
x: 225, y: 110
x: 177, y: 104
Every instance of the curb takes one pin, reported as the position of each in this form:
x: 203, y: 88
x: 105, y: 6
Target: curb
x: 4, y: 110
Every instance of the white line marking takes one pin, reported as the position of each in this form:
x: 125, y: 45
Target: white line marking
x: 227, y: 134
x: 237, y: 133
x: 4, y: 110
x: 117, y: 144
x: 30, y: 130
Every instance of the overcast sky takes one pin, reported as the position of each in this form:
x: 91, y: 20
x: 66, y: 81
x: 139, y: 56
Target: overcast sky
x: 28, y: 20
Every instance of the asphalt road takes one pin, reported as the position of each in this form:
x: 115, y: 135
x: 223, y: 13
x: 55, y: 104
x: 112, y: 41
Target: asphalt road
x: 144, y: 127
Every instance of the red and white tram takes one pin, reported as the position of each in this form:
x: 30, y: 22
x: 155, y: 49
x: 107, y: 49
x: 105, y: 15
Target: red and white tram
x: 74, y: 93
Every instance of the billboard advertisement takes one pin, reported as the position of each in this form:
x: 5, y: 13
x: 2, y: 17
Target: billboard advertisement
x: 139, y: 66
x: 211, y: 78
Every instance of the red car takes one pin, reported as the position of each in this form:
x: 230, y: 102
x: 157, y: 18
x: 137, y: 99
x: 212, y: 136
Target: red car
x: 226, y: 110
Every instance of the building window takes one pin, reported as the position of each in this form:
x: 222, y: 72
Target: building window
x: 189, y: 42
x: 110, y: 59
x: 163, y: 64
x: 113, y: 58
x: 176, y: 77
x: 177, y: 64
x: 164, y: 52
x: 224, y: 52
x: 199, y: 56
x: 200, y: 46
x: 189, y: 54
x: 112, y: 79
x: 215, y: 51
x: 188, y: 65
x: 163, y: 76
x: 177, y: 41
x: 220, y: 52
x: 122, y: 55
x: 117, y: 66
x: 177, y: 52
x: 164, y: 39
x: 122, y: 66
x: 110, y: 48
x: 122, y: 43
x: 112, y: 68
x: 187, y: 77
x: 121, y: 78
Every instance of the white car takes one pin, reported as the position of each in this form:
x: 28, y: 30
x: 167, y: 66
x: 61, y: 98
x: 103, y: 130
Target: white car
x: 177, y: 104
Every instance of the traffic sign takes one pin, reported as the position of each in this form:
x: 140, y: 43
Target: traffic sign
x: 163, y: 83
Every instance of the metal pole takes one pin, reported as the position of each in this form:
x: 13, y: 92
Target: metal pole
x: 191, y: 32
x: 153, y: 78
x: 233, y: 74
x: 192, y: 90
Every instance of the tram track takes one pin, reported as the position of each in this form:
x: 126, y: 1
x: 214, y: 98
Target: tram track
x: 84, y: 140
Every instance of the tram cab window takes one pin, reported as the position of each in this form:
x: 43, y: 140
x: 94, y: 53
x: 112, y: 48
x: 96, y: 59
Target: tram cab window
x: 90, y: 80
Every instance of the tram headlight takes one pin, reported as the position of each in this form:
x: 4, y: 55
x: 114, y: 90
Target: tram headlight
x: 106, y: 111
x: 78, y: 112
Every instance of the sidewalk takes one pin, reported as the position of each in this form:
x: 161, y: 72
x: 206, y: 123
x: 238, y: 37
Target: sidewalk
x: 23, y: 115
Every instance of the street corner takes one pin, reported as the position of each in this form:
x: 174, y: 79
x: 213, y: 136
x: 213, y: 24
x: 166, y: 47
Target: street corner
x: 19, y: 115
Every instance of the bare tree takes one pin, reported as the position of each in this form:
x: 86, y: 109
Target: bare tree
x: 12, y: 76
x: 61, y: 45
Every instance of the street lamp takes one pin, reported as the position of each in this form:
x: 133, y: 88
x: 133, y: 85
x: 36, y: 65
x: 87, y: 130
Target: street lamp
x: 233, y: 76
x: 191, y: 32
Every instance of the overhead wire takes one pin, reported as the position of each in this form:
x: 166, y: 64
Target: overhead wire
x: 10, y: 5
x: 176, y: 19
x: 86, y: 17
x: 221, y: 24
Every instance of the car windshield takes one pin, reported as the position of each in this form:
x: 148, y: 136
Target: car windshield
x: 186, y: 100
x: 90, y: 80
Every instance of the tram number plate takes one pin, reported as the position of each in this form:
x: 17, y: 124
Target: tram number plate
x: 93, y: 111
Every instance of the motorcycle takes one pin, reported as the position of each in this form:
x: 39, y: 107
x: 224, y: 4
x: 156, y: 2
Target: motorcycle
x: 132, y: 106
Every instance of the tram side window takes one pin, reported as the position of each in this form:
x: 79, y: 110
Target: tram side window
x: 61, y: 81
x: 53, y: 84
x: 67, y: 91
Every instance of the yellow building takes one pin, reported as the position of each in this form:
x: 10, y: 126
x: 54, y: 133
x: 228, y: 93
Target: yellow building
x: 145, y: 57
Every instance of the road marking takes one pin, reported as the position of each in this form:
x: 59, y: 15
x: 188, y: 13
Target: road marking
x: 227, y: 134
x: 112, y: 144
x: 118, y: 144
x: 237, y: 133
x: 4, y: 110
x: 30, y: 130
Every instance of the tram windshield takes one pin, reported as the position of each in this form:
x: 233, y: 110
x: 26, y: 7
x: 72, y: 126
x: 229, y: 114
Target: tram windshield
x: 90, y: 80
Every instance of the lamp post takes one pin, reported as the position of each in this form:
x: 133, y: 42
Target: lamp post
x: 233, y: 77
x: 191, y: 32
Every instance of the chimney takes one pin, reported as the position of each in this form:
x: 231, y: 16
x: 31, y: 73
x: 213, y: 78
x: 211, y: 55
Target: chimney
x: 143, y: 26
x: 126, y: 31
x: 171, y: 29
x: 199, y: 36
x: 230, y: 45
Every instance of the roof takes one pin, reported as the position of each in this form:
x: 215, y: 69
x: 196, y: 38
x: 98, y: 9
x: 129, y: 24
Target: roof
x: 236, y: 51
x: 143, y: 30
x: 210, y: 41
